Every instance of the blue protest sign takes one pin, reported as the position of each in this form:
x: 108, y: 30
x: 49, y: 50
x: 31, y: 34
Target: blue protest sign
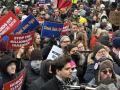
x: 51, y: 29
x: 28, y: 25
x: 44, y: 2
x: 86, y: 52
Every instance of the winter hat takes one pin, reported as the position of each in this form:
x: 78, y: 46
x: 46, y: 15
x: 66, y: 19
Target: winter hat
x: 50, y: 12
x: 82, y: 20
x: 79, y: 24
x: 63, y: 37
x: 42, y: 12
x: 116, y: 42
x: 4, y: 9
x: 88, y: 12
x: 3, y: 45
x: 82, y: 12
x: 36, y: 55
x: 85, y: 7
x: 18, y: 11
x: 62, y: 10
x: 97, y: 47
x: 102, y: 6
x: 72, y: 63
x: 104, y: 40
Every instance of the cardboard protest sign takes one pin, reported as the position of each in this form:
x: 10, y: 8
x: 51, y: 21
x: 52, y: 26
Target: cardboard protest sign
x: 97, y: 25
x: 110, y: 36
x: 8, y: 24
x: 37, y: 7
x: 15, y: 84
x: 55, y: 53
x: 114, y: 18
x: 64, y: 3
x: 65, y: 28
x: 86, y: 52
x: 51, y: 29
x: 40, y: 21
x: 16, y: 41
x: 28, y: 25
x: 44, y: 2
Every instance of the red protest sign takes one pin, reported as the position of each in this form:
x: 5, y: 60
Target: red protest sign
x: 16, y: 41
x: 64, y: 3
x: 15, y: 84
x: 1, y: 17
x: 37, y: 7
x: 110, y: 36
x: 65, y: 28
x: 40, y: 21
x: 8, y: 24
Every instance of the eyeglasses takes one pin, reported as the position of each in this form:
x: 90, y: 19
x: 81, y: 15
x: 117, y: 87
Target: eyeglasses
x: 73, y: 68
x: 65, y: 41
x: 105, y: 71
x: 80, y: 47
x: 102, y: 51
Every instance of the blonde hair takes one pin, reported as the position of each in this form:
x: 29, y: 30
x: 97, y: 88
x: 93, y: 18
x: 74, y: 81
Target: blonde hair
x: 81, y: 37
x: 35, y: 45
x: 73, y: 23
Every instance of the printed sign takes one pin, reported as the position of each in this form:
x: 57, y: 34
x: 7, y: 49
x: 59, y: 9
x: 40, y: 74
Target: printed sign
x: 51, y: 29
x: 28, y: 25
x: 40, y: 21
x: 114, y: 18
x: 64, y: 3
x: 86, y: 52
x: 54, y: 3
x: 65, y: 28
x: 15, y: 84
x: 1, y: 17
x: 37, y: 7
x: 8, y: 24
x: 16, y: 41
x: 110, y: 36
x: 44, y: 2
x: 55, y: 53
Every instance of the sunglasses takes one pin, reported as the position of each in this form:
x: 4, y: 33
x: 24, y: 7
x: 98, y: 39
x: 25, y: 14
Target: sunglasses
x: 105, y: 71
x: 73, y: 68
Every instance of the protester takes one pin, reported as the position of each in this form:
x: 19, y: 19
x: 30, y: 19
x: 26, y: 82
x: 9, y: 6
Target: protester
x: 34, y: 12
x: 19, y: 14
x: 41, y: 15
x: 4, y: 11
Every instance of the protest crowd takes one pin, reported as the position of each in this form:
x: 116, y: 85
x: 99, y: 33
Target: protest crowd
x: 60, y: 45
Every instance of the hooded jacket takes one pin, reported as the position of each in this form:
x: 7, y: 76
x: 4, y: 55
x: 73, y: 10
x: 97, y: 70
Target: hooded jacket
x: 37, y: 84
x: 5, y: 76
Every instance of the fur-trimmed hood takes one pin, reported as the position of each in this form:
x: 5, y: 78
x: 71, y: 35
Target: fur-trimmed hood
x: 82, y: 59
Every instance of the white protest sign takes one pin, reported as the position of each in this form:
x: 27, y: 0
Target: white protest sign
x: 55, y: 52
x: 112, y: 0
x: 105, y: 0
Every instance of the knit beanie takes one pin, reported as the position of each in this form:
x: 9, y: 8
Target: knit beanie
x: 96, y: 48
x: 62, y: 10
x: 18, y: 11
x: 104, y: 40
x: 72, y: 63
x: 4, y: 9
x: 36, y: 55
x: 82, y: 12
x: 88, y: 12
x: 116, y: 42
x: 79, y: 24
x: 3, y: 45
x: 82, y: 20
x: 63, y: 37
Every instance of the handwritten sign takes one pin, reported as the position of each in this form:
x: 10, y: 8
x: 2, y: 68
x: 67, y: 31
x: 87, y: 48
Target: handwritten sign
x: 16, y: 41
x: 65, y: 28
x: 51, y: 29
x: 15, y: 84
x: 114, y: 18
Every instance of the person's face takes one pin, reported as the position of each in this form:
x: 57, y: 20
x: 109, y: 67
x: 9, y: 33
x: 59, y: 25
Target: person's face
x: 81, y: 47
x: 91, y: 9
x: 2, y: 53
x: 38, y: 39
x: 65, y: 73
x: 29, y: 11
x: 5, y: 11
x: 99, y: 15
x: 94, y: 18
x: 106, y: 73
x: 104, y: 12
x: 81, y: 7
x: 11, y: 68
x: 101, y: 53
x: 56, y: 11
x: 65, y: 42
x: 50, y: 69
x: 98, y: 8
x: 42, y: 16
x: 74, y: 29
x: 73, y: 50
x: 85, y: 23
x: 31, y: 48
x: 75, y: 13
x: 34, y: 12
x: 81, y: 28
x: 20, y: 14
x: 46, y: 9
x: 91, y: 14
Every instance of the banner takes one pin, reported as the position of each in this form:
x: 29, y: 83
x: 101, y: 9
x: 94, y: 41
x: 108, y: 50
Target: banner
x: 44, y: 2
x: 16, y: 41
x: 28, y: 25
x: 111, y: 36
x: 8, y: 24
x: 55, y: 53
x: 114, y: 18
x: 40, y: 21
x: 1, y: 17
x: 86, y: 52
x: 65, y: 28
x: 37, y: 7
x: 15, y: 84
x: 64, y: 3
x: 51, y: 29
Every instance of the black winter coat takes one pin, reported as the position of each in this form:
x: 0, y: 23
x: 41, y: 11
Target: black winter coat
x: 70, y: 35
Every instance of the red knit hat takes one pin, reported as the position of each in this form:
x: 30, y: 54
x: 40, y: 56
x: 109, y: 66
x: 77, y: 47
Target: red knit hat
x: 18, y: 11
x: 3, y: 45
